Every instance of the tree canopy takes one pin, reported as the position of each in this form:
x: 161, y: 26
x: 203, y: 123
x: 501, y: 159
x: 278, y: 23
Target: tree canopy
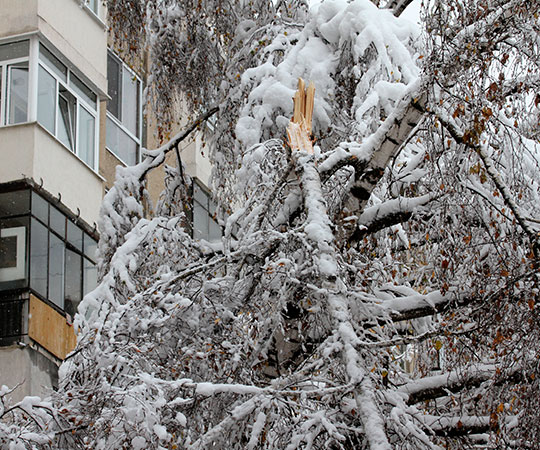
x: 380, y: 293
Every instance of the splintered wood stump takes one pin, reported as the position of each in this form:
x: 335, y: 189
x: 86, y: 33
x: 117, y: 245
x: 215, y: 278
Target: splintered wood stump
x: 299, y: 128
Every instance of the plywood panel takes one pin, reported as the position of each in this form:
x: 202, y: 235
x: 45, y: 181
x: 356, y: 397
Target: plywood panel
x: 49, y: 329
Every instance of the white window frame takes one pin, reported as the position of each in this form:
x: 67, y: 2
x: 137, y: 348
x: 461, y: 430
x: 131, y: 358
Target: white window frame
x: 80, y: 103
x: 96, y: 11
x: 34, y: 62
x: 117, y: 122
x: 5, y: 94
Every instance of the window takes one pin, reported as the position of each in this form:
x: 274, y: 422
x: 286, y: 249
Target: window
x: 123, y: 111
x: 60, y: 265
x: 14, y: 82
x: 204, y: 225
x: 12, y: 253
x: 93, y: 6
x: 67, y: 108
x: 14, y: 208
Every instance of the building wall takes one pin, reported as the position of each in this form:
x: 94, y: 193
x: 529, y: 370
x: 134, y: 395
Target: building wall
x: 68, y: 27
x: 35, y: 373
x: 29, y: 151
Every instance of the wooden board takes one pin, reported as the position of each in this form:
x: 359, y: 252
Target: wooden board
x: 49, y: 329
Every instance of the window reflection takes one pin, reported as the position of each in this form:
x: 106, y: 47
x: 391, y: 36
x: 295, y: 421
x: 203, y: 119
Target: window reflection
x: 86, y: 137
x: 18, y: 93
x: 73, y: 280
x: 66, y: 118
x: 38, y: 257
x: 46, y: 99
x: 56, y: 270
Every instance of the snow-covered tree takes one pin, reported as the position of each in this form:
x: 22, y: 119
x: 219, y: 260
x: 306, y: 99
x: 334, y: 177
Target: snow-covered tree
x: 379, y: 293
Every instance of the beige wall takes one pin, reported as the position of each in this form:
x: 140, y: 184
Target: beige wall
x: 18, y: 17
x: 29, y: 151
x: 35, y: 372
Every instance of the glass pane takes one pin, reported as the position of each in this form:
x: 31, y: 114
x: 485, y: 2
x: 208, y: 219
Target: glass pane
x: 114, y: 79
x: 66, y: 118
x: 18, y: 93
x: 56, y: 270
x: 73, y: 282
x: 40, y: 208
x: 46, y: 99
x: 121, y: 144
x: 53, y: 63
x: 93, y: 5
x: 200, y: 222
x: 39, y: 246
x: 200, y: 195
x: 214, y: 233
x: 90, y: 247
x: 58, y: 222
x: 130, y: 102
x: 74, y: 235
x: 13, y: 253
x: 89, y: 276
x: 84, y: 91
x: 87, y: 125
x: 14, y: 203
x: 14, y: 50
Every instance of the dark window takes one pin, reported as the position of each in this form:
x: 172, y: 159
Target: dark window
x: 8, y: 251
x: 14, y: 50
x: 89, y: 276
x: 204, y: 210
x: 58, y: 264
x: 14, y: 203
x: 11, y: 318
x: 39, y: 249
x: 123, y: 111
x: 74, y: 235
x: 58, y: 221
x: 114, y: 83
x: 73, y: 282
x: 13, y: 253
x: 40, y: 208
x: 56, y: 270
x: 90, y: 247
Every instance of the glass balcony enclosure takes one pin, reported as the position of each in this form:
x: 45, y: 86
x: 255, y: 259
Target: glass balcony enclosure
x: 44, y: 250
x: 37, y: 85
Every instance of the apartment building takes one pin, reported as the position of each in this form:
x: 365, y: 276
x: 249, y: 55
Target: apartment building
x: 70, y: 112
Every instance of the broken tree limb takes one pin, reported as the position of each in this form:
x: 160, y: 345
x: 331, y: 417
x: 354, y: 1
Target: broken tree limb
x: 436, y: 386
x: 299, y: 128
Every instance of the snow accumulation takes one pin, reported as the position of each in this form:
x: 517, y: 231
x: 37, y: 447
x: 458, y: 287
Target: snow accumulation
x: 311, y: 55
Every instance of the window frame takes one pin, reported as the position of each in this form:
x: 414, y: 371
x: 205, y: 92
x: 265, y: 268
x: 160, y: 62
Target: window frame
x: 42, y: 211
x: 5, y: 94
x: 87, y: 4
x: 118, y: 121
x: 80, y: 102
x: 35, y: 61
x: 209, y: 215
